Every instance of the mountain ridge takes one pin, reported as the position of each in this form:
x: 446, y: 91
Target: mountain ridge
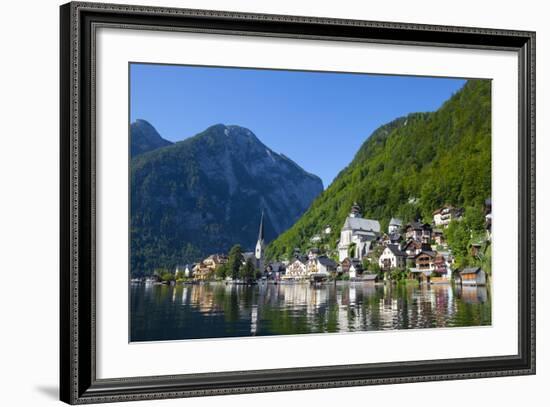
x: 144, y: 138
x: 205, y: 193
x: 407, y: 168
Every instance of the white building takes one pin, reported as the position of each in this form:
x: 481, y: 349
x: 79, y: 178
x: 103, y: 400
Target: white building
x: 357, y: 233
x: 443, y: 216
x: 296, y: 270
x: 320, y: 266
x: 392, y: 257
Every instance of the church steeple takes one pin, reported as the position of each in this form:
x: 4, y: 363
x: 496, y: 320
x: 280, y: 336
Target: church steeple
x: 261, y: 231
x: 259, y: 254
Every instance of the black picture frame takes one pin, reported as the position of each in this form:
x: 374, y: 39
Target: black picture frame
x: 78, y: 382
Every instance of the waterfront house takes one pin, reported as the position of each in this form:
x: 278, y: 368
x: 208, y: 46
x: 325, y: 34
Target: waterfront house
x: 421, y: 232
x: 392, y: 257
x: 472, y: 276
x: 442, y: 269
x: 203, y: 272
x: 296, y: 270
x: 326, y: 265
x: 320, y: 267
x: 205, y: 269
x: 275, y: 270
x: 357, y: 235
x: 424, y: 265
x: 395, y: 225
x: 215, y: 260
x: 425, y: 260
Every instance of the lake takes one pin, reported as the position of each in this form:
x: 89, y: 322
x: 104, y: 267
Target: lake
x: 215, y: 310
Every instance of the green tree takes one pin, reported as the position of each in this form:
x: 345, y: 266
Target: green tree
x: 222, y: 271
x: 234, y: 262
x: 248, y: 271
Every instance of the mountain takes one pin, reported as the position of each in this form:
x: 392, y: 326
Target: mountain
x: 144, y: 137
x: 206, y: 193
x: 407, y: 169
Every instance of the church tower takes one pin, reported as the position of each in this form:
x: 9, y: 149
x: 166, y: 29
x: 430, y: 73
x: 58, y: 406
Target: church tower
x: 259, y: 254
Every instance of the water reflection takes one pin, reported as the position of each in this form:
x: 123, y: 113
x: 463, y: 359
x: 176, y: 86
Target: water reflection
x: 217, y: 310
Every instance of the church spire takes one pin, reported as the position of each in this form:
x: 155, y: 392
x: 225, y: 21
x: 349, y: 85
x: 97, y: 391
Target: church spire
x: 260, y: 246
x: 261, y: 231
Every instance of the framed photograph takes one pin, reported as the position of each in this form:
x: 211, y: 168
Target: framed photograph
x: 255, y: 203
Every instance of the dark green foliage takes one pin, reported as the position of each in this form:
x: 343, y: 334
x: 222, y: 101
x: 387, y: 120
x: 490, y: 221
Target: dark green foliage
x: 461, y: 234
x: 222, y: 271
x: 234, y: 262
x: 407, y: 169
x: 248, y: 270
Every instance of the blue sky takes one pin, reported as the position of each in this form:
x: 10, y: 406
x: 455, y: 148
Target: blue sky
x: 317, y: 119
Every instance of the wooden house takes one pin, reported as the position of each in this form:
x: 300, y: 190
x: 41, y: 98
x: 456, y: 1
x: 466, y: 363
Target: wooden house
x: 421, y: 232
x: 473, y: 276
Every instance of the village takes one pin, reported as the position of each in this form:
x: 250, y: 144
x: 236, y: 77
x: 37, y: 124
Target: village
x: 412, y: 252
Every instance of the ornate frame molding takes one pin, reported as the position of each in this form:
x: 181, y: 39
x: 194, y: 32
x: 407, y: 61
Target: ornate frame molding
x: 78, y: 382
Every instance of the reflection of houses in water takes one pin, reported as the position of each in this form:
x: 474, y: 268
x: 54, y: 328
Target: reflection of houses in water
x: 254, y: 320
x: 472, y: 294
x: 202, y: 298
x: 472, y: 276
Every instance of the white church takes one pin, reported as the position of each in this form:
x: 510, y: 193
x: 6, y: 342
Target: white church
x: 358, y: 232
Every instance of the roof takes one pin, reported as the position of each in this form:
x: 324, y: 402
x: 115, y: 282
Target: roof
x: 370, y: 276
x: 300, y: 258
x: 395, y: 222
x: 395, y: 250
x: 419, y: 225
x: 428, y: 252
x: 471, y: 270
x: 362, y: 224
x: 325, y: 261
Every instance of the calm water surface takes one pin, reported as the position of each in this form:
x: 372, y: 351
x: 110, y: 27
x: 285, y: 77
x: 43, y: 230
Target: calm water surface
x: 214, y: 310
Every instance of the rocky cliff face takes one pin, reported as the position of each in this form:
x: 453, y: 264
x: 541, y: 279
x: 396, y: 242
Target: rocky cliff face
x: 206, y: 193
